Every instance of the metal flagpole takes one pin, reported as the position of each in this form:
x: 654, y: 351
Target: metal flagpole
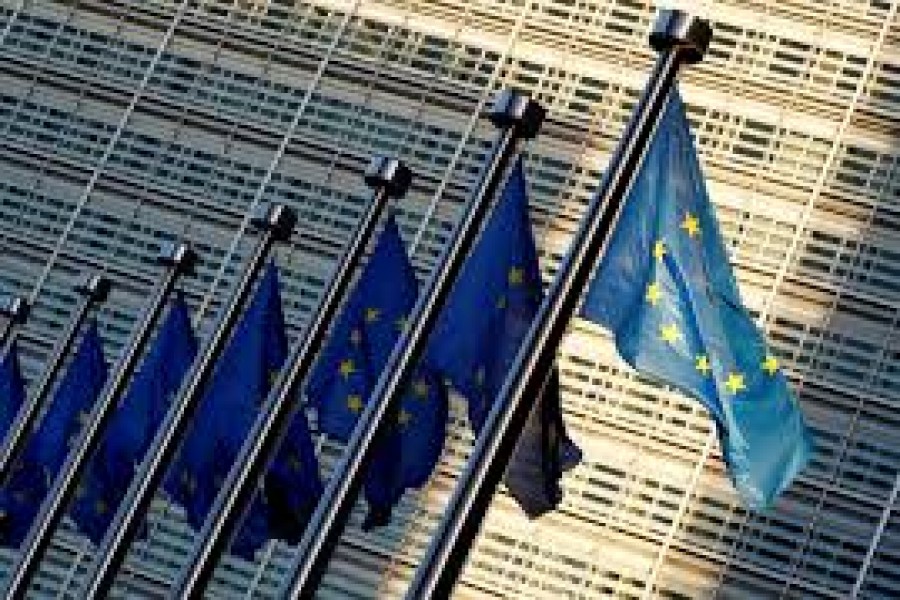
x: 518, y: 117
x: 275, y: 223
x: 15, y: 309
x: 93, y: 289
x: 680, y: 39
x: 178, y: 258
x: 389, y: 178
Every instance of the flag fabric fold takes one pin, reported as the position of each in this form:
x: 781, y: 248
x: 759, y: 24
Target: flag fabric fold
x: 111, y: 469
x: 12, y: 388
x: 239, y: 385
x: 46, y: 450
x: 665, y: 289
x: 487, y: 315
x: 361, y: 341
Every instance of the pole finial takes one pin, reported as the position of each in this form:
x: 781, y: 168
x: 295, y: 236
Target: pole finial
x: 514, y: 108
x: 677, y: 29
x: 15, y: 308
x: 389, y: 173
x: 177, y: 254
x: 275, y: 217
x: 95, y: 286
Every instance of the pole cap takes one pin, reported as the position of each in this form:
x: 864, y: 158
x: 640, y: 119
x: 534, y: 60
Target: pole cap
x: 96, y: 287
x: 15, y: 308
x: 389, y: 173
x: 277, y: 218
x: 514, y: 108
x: 178, y: 255
x: 690, y: 35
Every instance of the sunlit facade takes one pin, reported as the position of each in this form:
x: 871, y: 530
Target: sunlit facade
x: 126, y: 123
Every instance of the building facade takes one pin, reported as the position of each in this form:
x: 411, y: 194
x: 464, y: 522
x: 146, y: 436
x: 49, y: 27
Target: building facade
x: 123, y: 124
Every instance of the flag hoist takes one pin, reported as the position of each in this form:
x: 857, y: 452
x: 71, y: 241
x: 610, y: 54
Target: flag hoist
x: 680, y: 39
x: 177, y: 259
x: 518, y: 117
x: 274, y: 223
x: 389, y: 178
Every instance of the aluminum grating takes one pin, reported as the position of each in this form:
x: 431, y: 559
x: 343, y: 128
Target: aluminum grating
x: 122, y: 124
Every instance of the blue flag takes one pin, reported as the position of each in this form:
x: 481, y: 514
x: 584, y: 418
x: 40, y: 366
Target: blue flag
x: 487, y: 316
x: 243, y: 376
x: 12, y: 388
x: 350, y: 364
x: 46, y: 450
x: 134, y: 424
x: 666, y: 290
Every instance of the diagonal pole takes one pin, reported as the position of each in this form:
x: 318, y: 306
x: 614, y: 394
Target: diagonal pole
x: 92, y: 289
x: 178, y: 258
x: 680, y: 39
x: 388, y: 178
x: 518, y: 117
x: 276, y: 223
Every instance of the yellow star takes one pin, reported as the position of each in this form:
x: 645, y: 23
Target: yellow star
x: 479, y: 376
x: 347, y: 368
x: 100, y: 507
x: 735, y: 382
x: 372, y: 315
x: 354, y: 403
x: 501, y: 302
x: 421, y: 389
x: 273, y: 377
x: 659, y: 250
x: 669, y: 333
x: 691, y: 224
x: 702, y: 365
x: 516, y: 276
x: 654, y: 293
x: 356, y: 337
x: 770, y: 365
x: 400, y: 323
x: 404, y: 417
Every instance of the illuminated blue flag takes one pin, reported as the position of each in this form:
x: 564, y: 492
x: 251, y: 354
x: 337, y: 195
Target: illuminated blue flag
x: 134, y: 424
x: 46, y: 450
x: 666, y: 290
x: 475, y: 342
x: 12, y: 388
x: 243, y: 376
x: 361, y: 342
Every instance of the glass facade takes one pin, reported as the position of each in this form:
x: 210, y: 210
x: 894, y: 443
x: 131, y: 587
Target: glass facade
x: 123, y: 124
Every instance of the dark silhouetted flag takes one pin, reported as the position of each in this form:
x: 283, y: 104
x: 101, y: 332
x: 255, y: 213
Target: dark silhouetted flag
x: 364, y: 335
x: 487, y: 316
x: 12, y: 388
x: 666, y: 290
x: 241, y: 381
x: 134, y: 424
x: 46, y: 450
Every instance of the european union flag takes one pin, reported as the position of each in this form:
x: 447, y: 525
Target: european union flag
x: 240, y: 384
x: 476, y: 340
x: 361, y: 342
x: 291, y: 489
x: 666, y: 290
x: 46, y: 450
x: 135, y: 423
x: 12, y: 388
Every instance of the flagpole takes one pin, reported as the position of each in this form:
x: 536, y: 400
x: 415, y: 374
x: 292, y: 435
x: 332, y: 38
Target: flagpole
x: 275, y: 223
x: 389, y: 178
x: 93, y: 289
x: 680, y: 39
x: 178, y: 259
x: 518, y: 117
x: 15, y: 309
